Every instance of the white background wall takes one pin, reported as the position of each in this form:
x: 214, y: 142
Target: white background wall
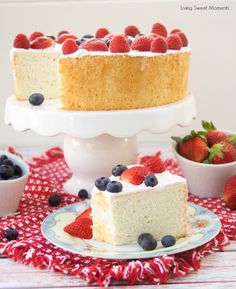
x: 211, y: 34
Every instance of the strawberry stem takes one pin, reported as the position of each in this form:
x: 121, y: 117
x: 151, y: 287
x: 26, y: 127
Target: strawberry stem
x: 208, y: 125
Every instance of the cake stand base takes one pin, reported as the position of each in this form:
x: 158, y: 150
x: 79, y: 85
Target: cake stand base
x: 92, y: 158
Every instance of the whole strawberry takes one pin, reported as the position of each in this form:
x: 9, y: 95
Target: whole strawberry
x: 213, y: 135
x: 229, y: 195
x: 192, y: 147
x: 222, y: 153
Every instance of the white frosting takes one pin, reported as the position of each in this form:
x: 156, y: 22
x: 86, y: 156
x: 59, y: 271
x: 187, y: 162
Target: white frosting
x: 56, y: 48
x: 132, y: 53
x: 164, y: 179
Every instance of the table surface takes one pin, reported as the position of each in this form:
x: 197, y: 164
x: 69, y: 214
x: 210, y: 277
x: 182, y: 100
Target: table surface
x: 218, y: 271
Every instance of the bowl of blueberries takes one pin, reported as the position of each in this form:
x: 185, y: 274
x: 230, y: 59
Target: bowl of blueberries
x: 13, y: 177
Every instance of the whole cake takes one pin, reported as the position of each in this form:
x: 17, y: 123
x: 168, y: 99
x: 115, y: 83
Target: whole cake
x: 137, y: 202
x: 104, y: 71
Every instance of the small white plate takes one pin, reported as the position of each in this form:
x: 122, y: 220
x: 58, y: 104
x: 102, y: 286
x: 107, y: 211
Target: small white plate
x: 204, y: 226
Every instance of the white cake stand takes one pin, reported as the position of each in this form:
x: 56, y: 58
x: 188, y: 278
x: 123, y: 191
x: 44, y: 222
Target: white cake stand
x: 95, y: 141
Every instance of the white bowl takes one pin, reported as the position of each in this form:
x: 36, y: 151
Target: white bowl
x: 11, y: 190
x: 205, y: 180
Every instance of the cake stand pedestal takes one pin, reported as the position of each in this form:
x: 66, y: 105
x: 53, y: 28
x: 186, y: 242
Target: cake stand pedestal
x: 95, y: 141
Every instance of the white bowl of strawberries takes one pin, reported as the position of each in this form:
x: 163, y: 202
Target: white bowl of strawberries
x: 207, y: 159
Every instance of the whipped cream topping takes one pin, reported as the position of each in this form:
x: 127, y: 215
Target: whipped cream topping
x: 56, y: 48
x: 164, y: 179
x: 132, y: 53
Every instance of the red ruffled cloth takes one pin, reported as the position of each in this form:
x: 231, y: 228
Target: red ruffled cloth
x: 47, y: 175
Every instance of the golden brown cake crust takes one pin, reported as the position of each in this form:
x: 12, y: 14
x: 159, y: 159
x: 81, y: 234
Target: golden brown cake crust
x: 122, y: 81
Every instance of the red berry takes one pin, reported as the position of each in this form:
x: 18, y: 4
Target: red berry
x: 62, y: 32
x: 81, y: 227
x: 94, y: 44
x: 134, y: 175
x: 63, y: 37
x: 159, y: 29
x: 183, y: 38
x: 21, y: 41
x: 35, y: 35
x: 174, y: 42
x: 131, y: 30
x: 119, y: 44
x: 159, y: 45
x: 69, y: 46
x: 142, y: 43
x: 85, y: 214
x: 153, y: 36
x: 174, y: 31
x: 41, y: 43
x: 154, y: 164
x: 229, y: 195
x: 194, y: 149
x: 222, y: 153
x: 101, y: 32
x: 110, y: 35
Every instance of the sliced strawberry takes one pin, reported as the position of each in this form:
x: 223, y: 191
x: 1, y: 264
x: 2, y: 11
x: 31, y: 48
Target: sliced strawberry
x: 119, y: 44
x: 142, y: 43
x: 101, y: 32
x: 158, y: 45
x: 159, y: 29
x: 21, y: 41
x: 69, y: 46
x: 41, y: 43
x: 174, y: 42
x: 81, y: 228
x: 85, y: 214
x: 131, y: 30
x: 62, y: 38
x: 35, y: 35
x: 94, y: 44
x: 134, y: 175
x: 155, y: 165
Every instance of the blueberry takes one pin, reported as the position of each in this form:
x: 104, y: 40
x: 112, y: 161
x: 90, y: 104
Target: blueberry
x: 78, y: 42
x: 8, y: 162
x: 147, y: 242
x: 139, y: 35
x: 144, y: 235
x: 11, y: 234
x: 118, y: 170
x: 54, y: 200
x: 3, y: 158
x: 51, y: 36
x: 150, y: 181
x: 114, y: 187
x: 101, y: 183
x: 168, y: 241
x: 36, y: 99
x: 6, y: 172
x: 83, y: 194
x: 130, y: 40
x: 88, y: 36
x: 107, y: 41
x: 18, y: 171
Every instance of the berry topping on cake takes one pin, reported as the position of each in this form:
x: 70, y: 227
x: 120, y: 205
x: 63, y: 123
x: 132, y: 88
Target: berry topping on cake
x: 119, y: 44
x: 41, y: 43
x: 147, y: 242
x: 134, y: 175
x: 131, y: 30
x: 62, y: 32
x: 139, y: 35
x: 81, y: 228
x: 83, y: 194
x: 114, y: 187
x: 107, y: 41
x: 101, y: 32
x: 110, y: 35
x: 159, y: 29
x: 142, y: 43
x: 54, y: 200
x: 150, y: 181
x: 118, y: 170
x: 229, y: 195
x: 183, y: 38
x: 153, y: 163
x: 69, y: 46
x: 88, y: 36
x: 213, y: 135
x: 11, y: 234
x: 94, y: 45
x: 174, y: 31
x: 158, y: 45
x: 35, y: 35
x: 52, y: 37
x: 36, y: 99
x: 168, y: 241
x: 174, y: 42
x: 64, y: 37
x: 21, y: 41
x: 101, y: 183
x: 223, y: 152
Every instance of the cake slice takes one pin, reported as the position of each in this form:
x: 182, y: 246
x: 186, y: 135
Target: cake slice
x: 121, y: 217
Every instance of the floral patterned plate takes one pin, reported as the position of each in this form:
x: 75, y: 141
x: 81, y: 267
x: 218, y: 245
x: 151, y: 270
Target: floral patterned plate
x: 204, y: 226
